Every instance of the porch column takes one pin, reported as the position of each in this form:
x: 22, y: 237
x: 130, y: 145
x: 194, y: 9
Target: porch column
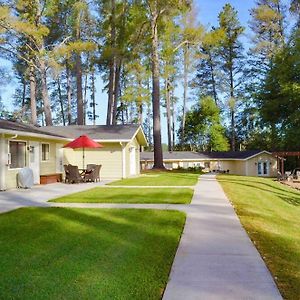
x: 3, y: 161
x: 123, y: 146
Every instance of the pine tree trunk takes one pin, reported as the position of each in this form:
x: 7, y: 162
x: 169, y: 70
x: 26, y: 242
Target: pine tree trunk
x: 61, y: 102
x: 69, y: 94
x: 168, y: 108
x: 45, y: 95
x: 84, y: 98
x: 116, y: 91
x: 111, y: 88
x: 213, y: 78
x: 185, y: 87
x: 78, y: 71
x: 32, y: 95
x: 140, y: 104
x: 173, y: 113
x: 93, y: 98
x: 158, y: 155
x: 112, y: 67
x: 23, y: 95
x: 232, y: 114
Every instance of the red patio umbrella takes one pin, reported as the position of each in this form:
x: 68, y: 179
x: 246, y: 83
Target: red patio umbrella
x: 83, y: 142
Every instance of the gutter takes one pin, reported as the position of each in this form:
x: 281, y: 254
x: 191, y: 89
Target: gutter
x: 31, y: 134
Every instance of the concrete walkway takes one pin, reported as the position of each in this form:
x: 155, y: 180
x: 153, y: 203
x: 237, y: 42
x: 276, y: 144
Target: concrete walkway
x: 40, y: 194
x: 215, y: 258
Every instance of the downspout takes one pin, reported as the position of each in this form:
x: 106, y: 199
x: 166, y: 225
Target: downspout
x: 3, y: 162
x: 123, y: 146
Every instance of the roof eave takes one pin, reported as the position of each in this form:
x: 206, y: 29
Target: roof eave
x: 32, y: 134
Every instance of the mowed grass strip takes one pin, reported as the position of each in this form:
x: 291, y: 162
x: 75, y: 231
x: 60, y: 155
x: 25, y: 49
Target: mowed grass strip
x: 270, y: 212
x: 161, y: 178
x: 58, y: 253
x: 130, y: 195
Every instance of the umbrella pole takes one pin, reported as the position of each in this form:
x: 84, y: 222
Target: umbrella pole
x: 83, y: 159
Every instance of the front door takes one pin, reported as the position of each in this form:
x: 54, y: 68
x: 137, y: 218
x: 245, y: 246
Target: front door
x: 263, y: 168
x: 132, y: 161
x: 34, y: 161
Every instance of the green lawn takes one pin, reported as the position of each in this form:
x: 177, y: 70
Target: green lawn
x: 162, y: 178
x: 56, y: 253
x: 130, y: 195
x: 270, y: 212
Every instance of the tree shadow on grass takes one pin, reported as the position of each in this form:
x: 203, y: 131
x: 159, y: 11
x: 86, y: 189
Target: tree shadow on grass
x: 289, y: 196
x: 87, y: 253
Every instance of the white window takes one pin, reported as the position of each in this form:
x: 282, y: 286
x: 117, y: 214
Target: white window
x: 17, y: 152
x: 263, y: 168
x: 45, y: 152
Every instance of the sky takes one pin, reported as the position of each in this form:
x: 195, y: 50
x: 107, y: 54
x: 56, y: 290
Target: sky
x: 208, y: 11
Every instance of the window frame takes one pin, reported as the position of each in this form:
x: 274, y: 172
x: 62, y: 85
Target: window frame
x: 25, y: 154
x: 45, y: 160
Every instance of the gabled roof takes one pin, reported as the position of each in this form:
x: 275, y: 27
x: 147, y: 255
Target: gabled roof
x: 189, y: 155
x: 103, y: 133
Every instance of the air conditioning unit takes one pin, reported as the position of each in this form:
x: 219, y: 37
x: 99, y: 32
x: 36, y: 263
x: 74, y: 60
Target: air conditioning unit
x: 25, y: 178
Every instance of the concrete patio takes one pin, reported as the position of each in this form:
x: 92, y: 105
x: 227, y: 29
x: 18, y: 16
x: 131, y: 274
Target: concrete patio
x: 40, y: 194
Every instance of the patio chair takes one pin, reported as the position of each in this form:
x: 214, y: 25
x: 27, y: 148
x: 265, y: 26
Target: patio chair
x: 92, y: 173
x: 74, y: 175
x: 67, y: 173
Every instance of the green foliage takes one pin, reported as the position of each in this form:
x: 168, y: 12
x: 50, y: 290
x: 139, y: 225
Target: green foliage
x: 278, y: 97
x: 204, y: 131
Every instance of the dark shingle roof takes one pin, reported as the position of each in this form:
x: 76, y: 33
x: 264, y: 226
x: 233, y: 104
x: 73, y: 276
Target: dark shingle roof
x: 233, y: 154
x: 189, y: 155
x: 97, y: 132
x: 174, y: 155
x: 17, y: 126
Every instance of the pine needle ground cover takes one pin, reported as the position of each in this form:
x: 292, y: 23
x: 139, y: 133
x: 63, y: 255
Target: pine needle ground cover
x: 162, y: 178
x: 270, y: 214
x: 58, y: 253
x: 130, y: 195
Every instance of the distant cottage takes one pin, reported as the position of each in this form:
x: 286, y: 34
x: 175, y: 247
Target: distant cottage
x: 248, y: 163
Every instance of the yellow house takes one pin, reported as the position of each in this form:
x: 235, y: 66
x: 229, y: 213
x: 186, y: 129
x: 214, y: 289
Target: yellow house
x: 40, y: 148
x: 247, y: 163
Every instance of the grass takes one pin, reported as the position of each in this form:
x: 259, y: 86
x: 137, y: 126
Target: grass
x: 55, y: 253
x: 161, y: 178
x: 130, y: 195
x: 270, y: 212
